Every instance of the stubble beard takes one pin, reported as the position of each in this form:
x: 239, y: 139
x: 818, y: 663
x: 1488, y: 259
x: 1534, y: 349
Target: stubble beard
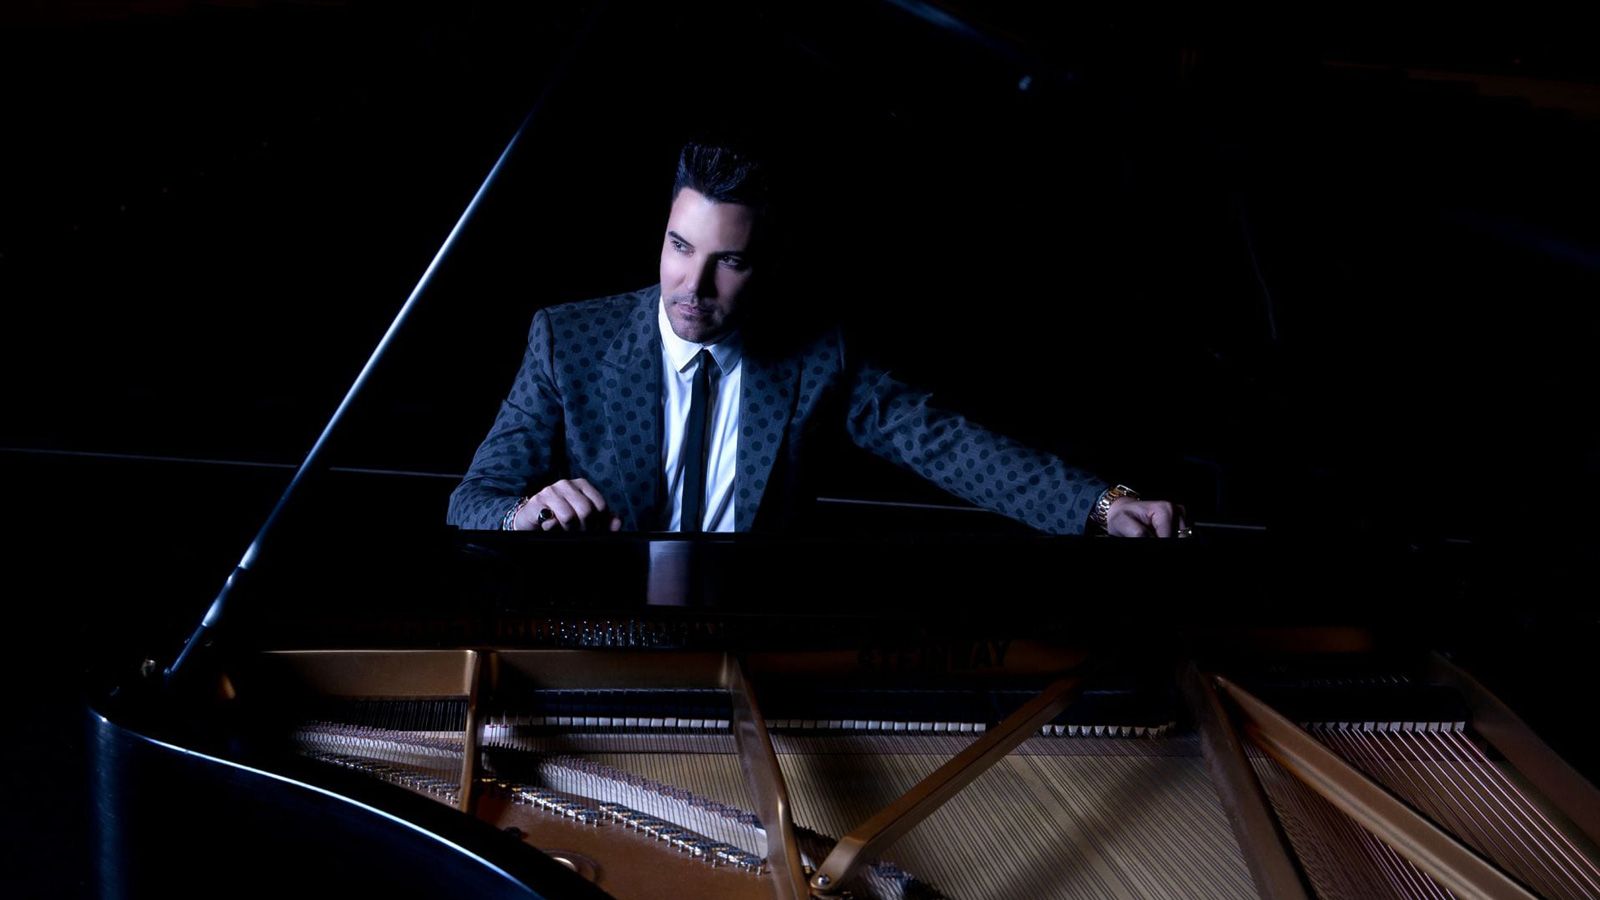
x: 699, y: 330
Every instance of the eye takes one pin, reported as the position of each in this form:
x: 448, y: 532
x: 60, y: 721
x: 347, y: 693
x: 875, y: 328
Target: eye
x: 736, y: 263
x: 678, y: 245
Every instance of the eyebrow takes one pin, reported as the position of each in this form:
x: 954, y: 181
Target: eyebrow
x: 679, y: 238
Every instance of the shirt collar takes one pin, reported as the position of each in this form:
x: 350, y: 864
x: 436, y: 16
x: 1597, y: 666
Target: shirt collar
x: 681, y: 352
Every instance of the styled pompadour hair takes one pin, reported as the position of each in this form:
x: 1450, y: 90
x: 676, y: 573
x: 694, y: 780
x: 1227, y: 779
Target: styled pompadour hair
x: 723, y: 174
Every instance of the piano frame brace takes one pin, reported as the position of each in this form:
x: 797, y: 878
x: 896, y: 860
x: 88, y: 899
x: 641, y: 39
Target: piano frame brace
x: 1265, y: 847
x: 469, y: 738
x: 925, y: 798
x: 765, y: 781
x: 1573, y: 794
x: 1454, y: 866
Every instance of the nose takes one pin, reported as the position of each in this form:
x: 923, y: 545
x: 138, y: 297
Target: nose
x: 703, y: 280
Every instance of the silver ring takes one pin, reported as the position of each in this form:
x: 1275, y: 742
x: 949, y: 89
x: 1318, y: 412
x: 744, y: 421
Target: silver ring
x: 545, y: 514
x: 1185, y: 532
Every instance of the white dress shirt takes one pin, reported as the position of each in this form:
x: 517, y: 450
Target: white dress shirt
x: 722, y: 420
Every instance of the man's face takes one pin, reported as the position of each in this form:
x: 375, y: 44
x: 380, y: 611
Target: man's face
x: 705, y: 266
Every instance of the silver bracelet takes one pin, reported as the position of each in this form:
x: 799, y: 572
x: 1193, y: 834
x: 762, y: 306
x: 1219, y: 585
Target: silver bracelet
x: 508, y: 522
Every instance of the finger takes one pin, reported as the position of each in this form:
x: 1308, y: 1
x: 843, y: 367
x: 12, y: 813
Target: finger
x: 1127, y: 519
x: 564, y: 516
x: 596, y: 499
x: 602, y: 512
x: 582, y: 507
x: 533, y: 514
x: 1184, y: 528
x: 1161, y: 519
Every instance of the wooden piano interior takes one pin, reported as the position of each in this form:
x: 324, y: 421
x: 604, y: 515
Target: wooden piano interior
x: 679, y: 774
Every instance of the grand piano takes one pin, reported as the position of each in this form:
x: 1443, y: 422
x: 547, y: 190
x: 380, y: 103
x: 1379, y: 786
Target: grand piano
x: 648, y: 739
x: 1277, y: 708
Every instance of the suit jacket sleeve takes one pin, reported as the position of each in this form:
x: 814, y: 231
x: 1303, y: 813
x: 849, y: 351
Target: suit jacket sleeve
x: 522, y: 448
x: 903, y: 425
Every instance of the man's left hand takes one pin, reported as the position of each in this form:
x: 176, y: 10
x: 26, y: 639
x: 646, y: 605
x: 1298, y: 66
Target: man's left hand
x: 1128, y: 517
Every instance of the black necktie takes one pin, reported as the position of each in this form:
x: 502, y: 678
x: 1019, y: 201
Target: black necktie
x: 694, y: 445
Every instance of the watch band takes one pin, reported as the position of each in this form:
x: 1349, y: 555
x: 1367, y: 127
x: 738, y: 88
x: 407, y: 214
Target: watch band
x: 1102, y: 507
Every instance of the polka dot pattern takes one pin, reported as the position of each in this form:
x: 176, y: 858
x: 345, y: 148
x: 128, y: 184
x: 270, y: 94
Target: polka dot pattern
x: 904, y: 425
x: 587, y: 403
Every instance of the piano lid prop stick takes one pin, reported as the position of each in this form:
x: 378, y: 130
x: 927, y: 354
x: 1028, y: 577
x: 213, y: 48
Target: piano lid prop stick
x: 204, y: 633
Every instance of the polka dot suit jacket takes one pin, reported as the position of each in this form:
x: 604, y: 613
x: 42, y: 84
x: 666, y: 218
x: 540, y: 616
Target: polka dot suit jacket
x: 587, y: 404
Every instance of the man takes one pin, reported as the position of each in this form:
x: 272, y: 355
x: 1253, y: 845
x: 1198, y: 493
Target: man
x: 693, y: 405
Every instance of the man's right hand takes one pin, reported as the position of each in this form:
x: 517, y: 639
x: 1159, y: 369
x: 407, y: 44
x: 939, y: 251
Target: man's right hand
x: 570, y: 505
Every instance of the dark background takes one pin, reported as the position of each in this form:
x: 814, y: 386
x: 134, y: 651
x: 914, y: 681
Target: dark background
x: 1322, y: 275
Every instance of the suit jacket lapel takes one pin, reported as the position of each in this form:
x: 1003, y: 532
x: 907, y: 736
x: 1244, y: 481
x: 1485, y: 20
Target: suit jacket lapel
x: 633, y: 361
x: 766, y: 404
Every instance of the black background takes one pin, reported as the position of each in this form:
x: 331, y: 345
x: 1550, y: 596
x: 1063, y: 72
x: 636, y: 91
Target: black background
x: 1320, y: 274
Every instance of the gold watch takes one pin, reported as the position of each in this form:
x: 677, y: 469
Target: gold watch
x: 1102, y: 507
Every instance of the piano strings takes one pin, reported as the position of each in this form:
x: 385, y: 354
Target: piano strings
x: 1132, y: 812
x: 1447, y: 777
x: 1099, y: 817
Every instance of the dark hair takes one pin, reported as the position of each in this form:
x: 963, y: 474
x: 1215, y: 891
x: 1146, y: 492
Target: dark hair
x: 723, y: 173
